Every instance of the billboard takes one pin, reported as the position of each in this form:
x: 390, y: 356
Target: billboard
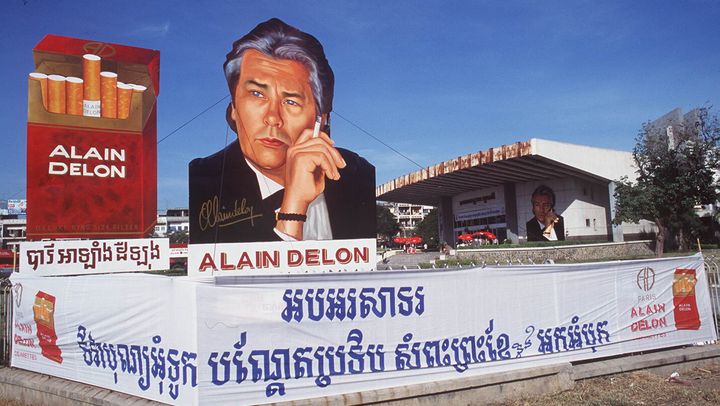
x: 16, y: 206
x: 282, y: 179
x: 91, y: 140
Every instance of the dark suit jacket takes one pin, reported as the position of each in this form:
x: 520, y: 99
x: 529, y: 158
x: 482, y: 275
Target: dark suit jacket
x: 226, y: 205
x: 535, y: 233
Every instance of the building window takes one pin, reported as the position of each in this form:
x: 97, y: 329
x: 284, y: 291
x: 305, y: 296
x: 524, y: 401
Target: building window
x: 587, y: 222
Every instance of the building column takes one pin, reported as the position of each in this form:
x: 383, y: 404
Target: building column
x: 446, y: 221
x: 511, y: 217
x: 617, y: 230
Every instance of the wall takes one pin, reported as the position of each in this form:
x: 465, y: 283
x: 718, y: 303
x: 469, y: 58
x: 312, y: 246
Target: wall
x: 568, y: 253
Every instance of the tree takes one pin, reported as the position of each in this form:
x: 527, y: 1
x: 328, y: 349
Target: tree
x: 676, y: 171
x: 427, y: 228
x: 387, y: 224
x: 178, y: 237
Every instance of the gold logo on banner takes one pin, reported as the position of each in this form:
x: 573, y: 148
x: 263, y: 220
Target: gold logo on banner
x: 100, y: 49
x: 646, y: 279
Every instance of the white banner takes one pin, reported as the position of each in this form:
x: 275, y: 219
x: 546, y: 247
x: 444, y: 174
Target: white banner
x: 282, y: 257
x: 278, y: 338
x: 74, y: 257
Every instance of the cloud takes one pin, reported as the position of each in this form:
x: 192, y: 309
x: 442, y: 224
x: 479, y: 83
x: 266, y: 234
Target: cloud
x: 152, y: 30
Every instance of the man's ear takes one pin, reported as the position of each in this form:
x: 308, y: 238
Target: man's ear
x: 233, y: 113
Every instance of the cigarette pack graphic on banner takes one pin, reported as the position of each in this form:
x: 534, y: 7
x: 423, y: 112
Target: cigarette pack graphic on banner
x: 44, y: 311
x: 684, y: 303
x: 91, y: 140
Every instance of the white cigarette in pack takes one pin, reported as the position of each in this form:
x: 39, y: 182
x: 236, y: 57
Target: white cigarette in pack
x: 74, y: 96
x: 124, y: 99
x: 42, y: 78
x: 137, y: 88
x: 108, y: 94
x: 56, y: 94
x: 91, y: 85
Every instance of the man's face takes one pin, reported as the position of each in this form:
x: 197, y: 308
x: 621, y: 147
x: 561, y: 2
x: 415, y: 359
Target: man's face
x: 273, y: 105
x: 542, y: 205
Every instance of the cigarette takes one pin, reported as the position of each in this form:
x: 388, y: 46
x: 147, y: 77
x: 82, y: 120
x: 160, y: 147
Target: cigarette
x: 316, y: 129
x: 91, y: 86
x: 56, y: 94
x: 124, y: 98
x: 42, y: 78
x: 74, y: 96
x: 137, y: 88
x: 108, y: 94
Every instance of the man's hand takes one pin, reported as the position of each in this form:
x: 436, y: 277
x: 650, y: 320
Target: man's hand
x: 551, y: 218
x: 309, y: 161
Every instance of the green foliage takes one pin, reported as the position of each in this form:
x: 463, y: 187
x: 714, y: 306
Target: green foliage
x: 178, y: 237
x: 427, y: 228
x: 672, y: 179
x: 387, y: 224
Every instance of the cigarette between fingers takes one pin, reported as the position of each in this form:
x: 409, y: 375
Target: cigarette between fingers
x: 316, y: 129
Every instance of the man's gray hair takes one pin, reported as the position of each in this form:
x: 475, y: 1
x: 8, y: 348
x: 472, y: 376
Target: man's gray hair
x: 277, y: 39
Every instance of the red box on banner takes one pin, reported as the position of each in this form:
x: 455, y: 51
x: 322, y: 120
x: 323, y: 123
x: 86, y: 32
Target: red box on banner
x: 92, y: 177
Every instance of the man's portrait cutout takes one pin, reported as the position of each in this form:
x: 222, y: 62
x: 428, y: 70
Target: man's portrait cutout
x: 283, y: 177
x: 546, y: 225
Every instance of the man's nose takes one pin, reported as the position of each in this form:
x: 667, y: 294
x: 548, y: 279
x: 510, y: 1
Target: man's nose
x: 272, y: 115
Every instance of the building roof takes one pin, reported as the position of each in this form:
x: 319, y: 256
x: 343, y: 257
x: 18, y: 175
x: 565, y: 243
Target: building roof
x: 531, y: 160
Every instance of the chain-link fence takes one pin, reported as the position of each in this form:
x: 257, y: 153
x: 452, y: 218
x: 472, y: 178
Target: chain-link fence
x: 6, y: 308
x: 712, y: 269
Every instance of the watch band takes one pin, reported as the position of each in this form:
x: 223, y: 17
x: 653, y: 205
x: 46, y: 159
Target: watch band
x: 290, y: 216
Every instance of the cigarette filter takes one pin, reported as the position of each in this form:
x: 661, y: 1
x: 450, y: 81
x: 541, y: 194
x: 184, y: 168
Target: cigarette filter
x: 74, y: 96
x: 137, y: 88
x: 42, y: 78
x: 91, y: 87
x: 124, y: 98
x: 108, y: 94
x: 56, y: 94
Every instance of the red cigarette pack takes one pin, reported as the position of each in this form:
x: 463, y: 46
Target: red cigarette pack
x: 92, y: 177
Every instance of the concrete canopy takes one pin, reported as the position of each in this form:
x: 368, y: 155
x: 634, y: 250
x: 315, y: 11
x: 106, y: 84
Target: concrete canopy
x: 532, y: 160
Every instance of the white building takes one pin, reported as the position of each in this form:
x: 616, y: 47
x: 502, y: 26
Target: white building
x: 491, y: 190
x: 173, y: 220
x: 409, y: 215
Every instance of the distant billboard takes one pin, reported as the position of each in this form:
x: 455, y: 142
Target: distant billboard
x: 16, y: 206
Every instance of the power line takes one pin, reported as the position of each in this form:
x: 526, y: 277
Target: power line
x: 377, y: 139
x: 192, y: 119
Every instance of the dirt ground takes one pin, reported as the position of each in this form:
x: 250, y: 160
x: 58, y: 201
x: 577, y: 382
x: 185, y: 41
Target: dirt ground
x: 697, y: 386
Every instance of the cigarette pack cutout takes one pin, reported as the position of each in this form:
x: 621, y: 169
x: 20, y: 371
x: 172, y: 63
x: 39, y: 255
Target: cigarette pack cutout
x: 89, y: 174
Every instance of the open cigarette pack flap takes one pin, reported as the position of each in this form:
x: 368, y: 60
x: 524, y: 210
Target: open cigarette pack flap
x: 92, y: 135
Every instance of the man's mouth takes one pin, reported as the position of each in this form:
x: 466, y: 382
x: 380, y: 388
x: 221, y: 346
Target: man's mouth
x: 271, y: 142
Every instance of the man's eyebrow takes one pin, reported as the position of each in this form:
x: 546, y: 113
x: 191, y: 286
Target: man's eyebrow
x: 300, y: 96
x: 256, y: 83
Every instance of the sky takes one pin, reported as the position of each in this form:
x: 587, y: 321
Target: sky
x: 432, y: 79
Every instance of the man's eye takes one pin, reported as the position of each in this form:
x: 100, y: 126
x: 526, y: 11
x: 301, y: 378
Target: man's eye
x: 291, y: 102
x: 255, y: 93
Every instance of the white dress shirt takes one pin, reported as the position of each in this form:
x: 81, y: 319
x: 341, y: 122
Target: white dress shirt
x: 552, y: 236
